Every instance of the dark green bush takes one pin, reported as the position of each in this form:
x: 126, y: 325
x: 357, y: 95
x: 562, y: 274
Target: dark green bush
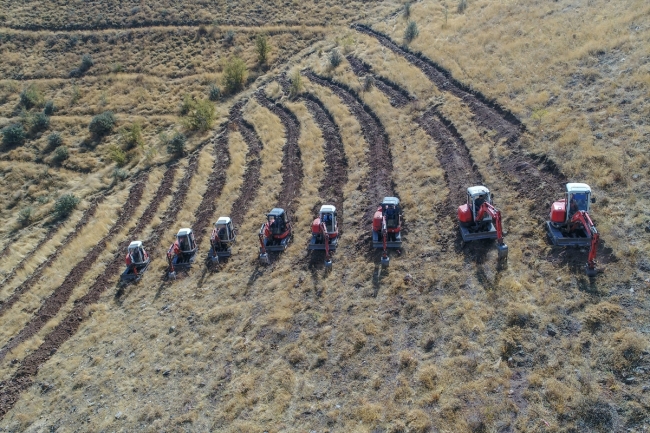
x: 229, y: 37
x: 13, y: 135
x: 335, y: 58
x: 25, y: 216
x: 40, y: 122
x: 54, y: 140
x: 49, y: 108
x: 411, y: 31
x: 201, y: 116
x: 262, y: 48
x: 61, y: 153
x: 214, y: 92
x: 102, y: 124
x: 65, y: 205
x: 86, y: 64
x: 176, y: 146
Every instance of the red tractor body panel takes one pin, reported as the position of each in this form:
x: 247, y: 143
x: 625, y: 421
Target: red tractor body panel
x: 558, y: 212
x: 465, y: 214
x: 377, y: 220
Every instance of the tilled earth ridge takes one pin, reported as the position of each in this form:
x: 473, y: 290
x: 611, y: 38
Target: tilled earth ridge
x: 486, y: 114
x: 251, y: 182
x: 380, y: 162
x: 397, y: 96
x: 336, y: 164
x: 61, y: 294
x: 24, y: 377
x: 36, y: 275
x: 292, y: 172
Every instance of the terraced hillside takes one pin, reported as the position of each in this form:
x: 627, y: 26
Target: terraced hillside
x: 343, y: 109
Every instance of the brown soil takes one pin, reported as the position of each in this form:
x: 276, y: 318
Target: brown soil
x: 292, y: 173
x: 454, y: 157
x: 251, y: 183
x: 60, y: 296
x: 487, y: 113
x: 205, y: 212
x: 380, y: 162
x: 397, y: 96
x: 38, y: 272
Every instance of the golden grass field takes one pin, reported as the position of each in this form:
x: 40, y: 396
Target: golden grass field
x: 444, y: 339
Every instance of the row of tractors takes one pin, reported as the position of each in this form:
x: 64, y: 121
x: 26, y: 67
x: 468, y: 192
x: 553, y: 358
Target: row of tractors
x: 569, y: 224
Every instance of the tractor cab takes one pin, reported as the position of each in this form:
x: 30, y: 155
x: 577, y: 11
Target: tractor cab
x: 576, y: 198
x: 327, y: 215
x: 185, y: 239
x: 476, y: 196
x: 224, y: 229
x: 137, y: 253
x: 277, y: 220
x: 392, y: 212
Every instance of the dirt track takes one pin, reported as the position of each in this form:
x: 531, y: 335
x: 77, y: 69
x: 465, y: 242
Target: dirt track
x: 292, y: 173
x: 380, y: 162
x: 61, y: 294
x: 487, y: 113
x: 397, y: 96
x: 38, y: 272
x: 251, y: 182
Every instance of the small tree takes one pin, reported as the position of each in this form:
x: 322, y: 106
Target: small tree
x: 335, y: 58
x: 229, y: 37
x: 262, y: 48
x: 202, y: 116
x: 25, y: 216
x: 132, y: 136
x: 296, y: 85
x: 407, y: 10
x: 411, y: 31
x: 176, y: 146
x: 13, y: 135
x: 462, y: 5
x: 234, y: 75
x: 102, y: 124
x: 117, y: 155
x: 65, y: 205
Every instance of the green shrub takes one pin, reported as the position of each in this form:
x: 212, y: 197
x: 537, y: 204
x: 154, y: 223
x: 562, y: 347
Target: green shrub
x: 214, y: 93
x: 102, y: 124
x: 262, y: 48
x: 86, y: 63
x: 296, y: 85
x: 234, y: 75
x: 462, y: 5
x: 65, y: 205
x: 61, y: 153
x: 120, y: 174
x: 187, y: 105
x: 176, y: 146
x: 335, y: 58
x: 25, y: 216
x: 54, y: 140
x: 368, y: 82
x: 201, y: 117
x: 40, y: 122
x: 411, y: 31
x: 31, y: 97
x: 117, y: 155
x: 229, y: 37
x: 49, y: 108
x: 13, y: 135
x: 132, y: 136
x: 407, y: 9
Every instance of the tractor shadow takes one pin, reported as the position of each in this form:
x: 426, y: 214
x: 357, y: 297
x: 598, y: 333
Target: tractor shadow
x: 482, y: 253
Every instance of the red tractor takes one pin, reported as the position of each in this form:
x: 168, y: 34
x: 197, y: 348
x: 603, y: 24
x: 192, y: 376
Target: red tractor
x: 571, y: 225
x: 137, y: 261
x: 275, y: 234
x: 182, y: 252
x: 223, y: 236
x: 387, y: 227
x: 479, y: 219
x: 325, y: 233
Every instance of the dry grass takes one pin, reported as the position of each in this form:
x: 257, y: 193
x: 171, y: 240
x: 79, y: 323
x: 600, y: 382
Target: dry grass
x: 461, y: 345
